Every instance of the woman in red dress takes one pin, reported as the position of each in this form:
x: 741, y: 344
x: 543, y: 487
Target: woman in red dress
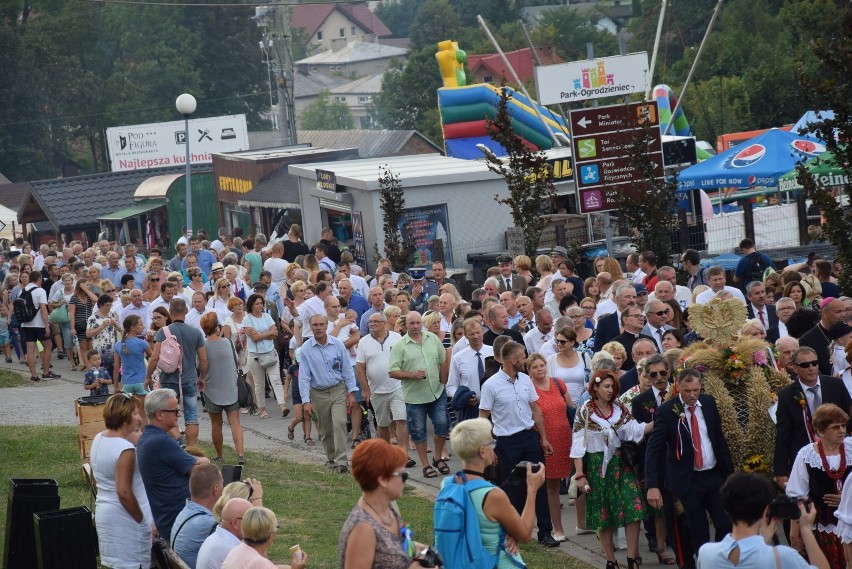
x: 553, y: 400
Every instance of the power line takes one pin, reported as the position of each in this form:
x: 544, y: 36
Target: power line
x: 222, y: 4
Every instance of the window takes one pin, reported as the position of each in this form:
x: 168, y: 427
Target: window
x: 488, y: 79
x: 352, y: 31
x: 364, y: 98
x: 333, y: 68
x: 343, y: 32
x: 319, y: 35
x: 340, y: 98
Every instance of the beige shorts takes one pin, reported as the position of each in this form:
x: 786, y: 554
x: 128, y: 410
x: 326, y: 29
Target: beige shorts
x: 388, y: 407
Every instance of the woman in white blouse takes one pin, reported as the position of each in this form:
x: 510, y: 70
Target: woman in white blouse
x: 614, y: 498
x: 567, y: 364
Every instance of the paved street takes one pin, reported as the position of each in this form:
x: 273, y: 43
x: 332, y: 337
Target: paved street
x: 27, y: 406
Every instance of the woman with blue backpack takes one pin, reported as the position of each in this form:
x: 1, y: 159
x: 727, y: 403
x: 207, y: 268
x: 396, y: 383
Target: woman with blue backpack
x: 476, y: 526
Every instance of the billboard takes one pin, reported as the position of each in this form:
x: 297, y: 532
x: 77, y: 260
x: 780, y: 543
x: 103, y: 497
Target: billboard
x: 421, y: 226
x: 158, y: 145
x: 592, y: 79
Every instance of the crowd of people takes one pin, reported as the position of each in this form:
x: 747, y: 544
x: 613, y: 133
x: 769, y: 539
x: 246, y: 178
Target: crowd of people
x: 582, y: 377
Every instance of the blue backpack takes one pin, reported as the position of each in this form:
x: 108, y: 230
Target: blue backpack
x: 457, y: 535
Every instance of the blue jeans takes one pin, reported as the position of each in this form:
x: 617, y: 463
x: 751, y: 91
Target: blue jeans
x: 190, y: 399
x: 437, y: 412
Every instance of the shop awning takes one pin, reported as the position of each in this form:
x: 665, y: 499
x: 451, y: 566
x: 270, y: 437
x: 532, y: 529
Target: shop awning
x: 133, y: 211
x: 155, y: 186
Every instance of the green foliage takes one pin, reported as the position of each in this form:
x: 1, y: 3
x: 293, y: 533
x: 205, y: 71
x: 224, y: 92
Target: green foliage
x: 569, y: 30
x: 409, y: 98
x: 529, y: 179
x: 828, y: 88
x: 398, y: 15
x: 723, y: 105
x: 398, y: 251
x: 436, y: 20
x: 326, y: 114
x: 494, y: 12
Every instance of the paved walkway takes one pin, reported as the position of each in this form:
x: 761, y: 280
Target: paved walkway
x: 26, y: 406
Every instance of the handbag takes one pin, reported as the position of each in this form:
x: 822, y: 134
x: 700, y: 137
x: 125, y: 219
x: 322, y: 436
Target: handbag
x: 267, y: 359
x: 570, y: 411
x: 245, y: 394
x: 164, y: 557
x: 629, y: 452
x: 59, y: 315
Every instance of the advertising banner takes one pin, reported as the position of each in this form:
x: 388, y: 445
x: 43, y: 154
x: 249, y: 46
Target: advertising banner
x: 592, y: 79
x: 360, y: 249
x: 421, y: 226
x: 158, y: 145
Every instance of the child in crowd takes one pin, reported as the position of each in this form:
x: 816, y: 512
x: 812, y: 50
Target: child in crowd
x: 130, y: 353
x: 4, y: 334
x: 97, y: 377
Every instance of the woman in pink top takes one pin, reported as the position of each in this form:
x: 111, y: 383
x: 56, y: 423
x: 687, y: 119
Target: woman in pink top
x: 258, y: 528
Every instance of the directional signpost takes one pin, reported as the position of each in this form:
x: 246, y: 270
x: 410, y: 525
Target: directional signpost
x: 601, y: 139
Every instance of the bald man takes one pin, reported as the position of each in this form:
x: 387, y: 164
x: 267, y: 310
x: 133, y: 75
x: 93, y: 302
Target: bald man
x: 833, y: 311
x: 227, y: 536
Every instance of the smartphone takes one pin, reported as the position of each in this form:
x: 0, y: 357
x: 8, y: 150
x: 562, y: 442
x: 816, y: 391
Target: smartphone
x: 231, y: 473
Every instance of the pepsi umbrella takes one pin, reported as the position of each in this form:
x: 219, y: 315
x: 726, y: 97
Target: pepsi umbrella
x: 758, y: 162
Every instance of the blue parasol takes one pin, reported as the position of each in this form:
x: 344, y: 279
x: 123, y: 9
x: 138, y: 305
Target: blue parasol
x: 756, y: 163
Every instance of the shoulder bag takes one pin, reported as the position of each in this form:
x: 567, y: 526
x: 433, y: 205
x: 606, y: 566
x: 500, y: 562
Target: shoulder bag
x: 265, y: 359
x: 629, y: 450
x: 245, y: 394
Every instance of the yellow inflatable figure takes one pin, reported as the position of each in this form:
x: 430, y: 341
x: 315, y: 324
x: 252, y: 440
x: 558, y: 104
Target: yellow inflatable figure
x: 451, y: 61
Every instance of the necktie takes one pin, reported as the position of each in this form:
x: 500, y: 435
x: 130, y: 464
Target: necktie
x: 817, y: 398
x: 480, y: 366
x: 530, y: 325
x: 696, y: 438
x: 508, y: 287
x: 760, y: 315
x: 660, y: 340
x: 663, y: 396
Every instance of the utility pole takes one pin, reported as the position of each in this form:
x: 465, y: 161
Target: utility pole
x: 284, y: 76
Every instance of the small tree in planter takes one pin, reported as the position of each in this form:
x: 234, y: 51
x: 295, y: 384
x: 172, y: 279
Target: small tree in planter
x: 397, y: 250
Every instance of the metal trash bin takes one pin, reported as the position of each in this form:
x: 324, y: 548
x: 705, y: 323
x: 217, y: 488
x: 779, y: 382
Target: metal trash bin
x: 65, y: 538
x: 26, y: 497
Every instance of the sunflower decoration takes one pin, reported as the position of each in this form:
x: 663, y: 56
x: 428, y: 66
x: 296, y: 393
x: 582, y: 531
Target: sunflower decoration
x: 718, y: 321
x: 755, y: 463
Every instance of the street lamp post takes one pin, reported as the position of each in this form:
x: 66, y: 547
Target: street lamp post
x: 185, y: 105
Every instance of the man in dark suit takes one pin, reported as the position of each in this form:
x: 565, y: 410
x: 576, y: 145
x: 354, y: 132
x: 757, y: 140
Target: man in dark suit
x: 689, y: 430
x: 796, y: 405
x: 658, y: 369
x: 632, y: 321
x: 757, y: 307
x: 509, y: 280
x: 832, y: 310
x: 609, y: 326
x: 784, y: 307
x: 642, y: 348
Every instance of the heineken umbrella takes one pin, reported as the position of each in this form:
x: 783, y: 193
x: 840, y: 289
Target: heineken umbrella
x: 758, y: 162
x: 825, y: 169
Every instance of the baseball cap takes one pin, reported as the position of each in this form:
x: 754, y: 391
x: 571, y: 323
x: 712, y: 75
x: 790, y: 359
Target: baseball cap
x: 640, y: 289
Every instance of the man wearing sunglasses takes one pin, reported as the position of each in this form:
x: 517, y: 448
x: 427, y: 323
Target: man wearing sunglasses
x: 796, y: 405
x: 657, y: 315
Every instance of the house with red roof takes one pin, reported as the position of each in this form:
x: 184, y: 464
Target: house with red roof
x: 489, y: 67
x: 324, y: 25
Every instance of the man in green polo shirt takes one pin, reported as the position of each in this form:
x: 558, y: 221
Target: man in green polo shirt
x: 420, y: 361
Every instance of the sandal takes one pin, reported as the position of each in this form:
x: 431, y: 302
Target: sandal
x: 291, y: 434
x: 357, y: 441
x: 442, y: 469
x: 410, y: 462
x: 664, y: 558
x: 309, y: 441
x: 285, y: 411
x: 429, y: 472
x: 264, y: 415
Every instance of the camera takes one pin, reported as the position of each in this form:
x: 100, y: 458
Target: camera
x: 521, y: 469
x: 429, y: 557
x: 786, y: 508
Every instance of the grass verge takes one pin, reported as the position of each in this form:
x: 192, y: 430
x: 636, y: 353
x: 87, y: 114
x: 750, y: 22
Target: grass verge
x: 311, y: 503
x: 12, y: 379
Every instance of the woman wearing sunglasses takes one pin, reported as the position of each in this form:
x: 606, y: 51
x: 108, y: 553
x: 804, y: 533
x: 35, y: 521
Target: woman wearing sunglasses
x: 374, y: 535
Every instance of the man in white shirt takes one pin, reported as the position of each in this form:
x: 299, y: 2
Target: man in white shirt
x: 467, y: 367
x: 680, y: 293
x: 784, y: 307
x: 199, y: 309
x: 446, y: 306
x: 138, y: 307
x: 525, y: 309
x: 510, y: 399
x: 168, y: 289
x: 542, y: 333
x: 358, y: 282
x: 610, y: 305
x: 558, y: 290
x: 507, y: 299
x: 324, y: 261
x: 38, y: 329
x: 657, y: 313
x: 716, y: 279
x: 632, y: 264
x: 377, y: 386
x: 227, y: 536
x: 276, y: 265
x: 312, y: 306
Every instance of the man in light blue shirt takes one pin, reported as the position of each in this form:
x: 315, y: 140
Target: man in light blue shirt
x: 205, y: 258
x: 327, y: 386
x: 129, y: 269
x: 195, y: 522
x: 746, y: 498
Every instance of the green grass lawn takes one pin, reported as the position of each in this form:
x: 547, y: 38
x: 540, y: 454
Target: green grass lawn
x: 311, y: 503
x: 12, y: 379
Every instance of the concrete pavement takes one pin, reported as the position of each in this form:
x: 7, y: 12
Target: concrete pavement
x: 51, y: 402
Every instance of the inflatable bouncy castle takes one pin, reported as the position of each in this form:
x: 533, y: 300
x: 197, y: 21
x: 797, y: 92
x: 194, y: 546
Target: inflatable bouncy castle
x: 465, y: 108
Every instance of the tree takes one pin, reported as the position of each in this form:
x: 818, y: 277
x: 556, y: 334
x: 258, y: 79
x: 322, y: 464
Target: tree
x: 648, y: 205
x: 435, y: 21
x: 527, y: 175
x: 827, y: 87
x: 398, y: 16
x: 326, y: 114
x: 398, y: 251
